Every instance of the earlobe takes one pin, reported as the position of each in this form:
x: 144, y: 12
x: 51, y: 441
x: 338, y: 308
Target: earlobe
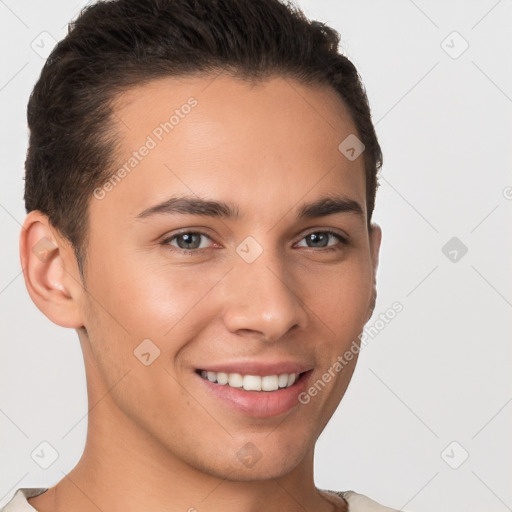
x: 45, y: 261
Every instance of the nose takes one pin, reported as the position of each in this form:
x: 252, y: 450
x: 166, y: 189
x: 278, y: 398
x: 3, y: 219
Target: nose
x: 262, y: 298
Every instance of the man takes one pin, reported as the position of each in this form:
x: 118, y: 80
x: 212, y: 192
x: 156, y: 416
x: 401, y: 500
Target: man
x: 200, y: 183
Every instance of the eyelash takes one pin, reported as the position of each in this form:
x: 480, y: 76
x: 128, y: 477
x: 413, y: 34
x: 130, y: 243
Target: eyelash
x: 342, y: 239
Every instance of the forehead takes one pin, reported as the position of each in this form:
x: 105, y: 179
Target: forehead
x: 218, y: 135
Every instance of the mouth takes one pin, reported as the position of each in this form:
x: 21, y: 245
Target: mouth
x: 257, y: 396
x: 267, y: 383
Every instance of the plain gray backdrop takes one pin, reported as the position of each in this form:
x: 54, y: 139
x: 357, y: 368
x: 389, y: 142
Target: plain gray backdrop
x: 426, y: 422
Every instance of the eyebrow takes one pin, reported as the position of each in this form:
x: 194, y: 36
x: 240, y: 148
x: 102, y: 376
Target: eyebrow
x: 196, y: 206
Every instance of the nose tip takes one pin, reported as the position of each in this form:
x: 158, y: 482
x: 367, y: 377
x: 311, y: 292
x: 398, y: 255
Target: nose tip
x: 262, y: 302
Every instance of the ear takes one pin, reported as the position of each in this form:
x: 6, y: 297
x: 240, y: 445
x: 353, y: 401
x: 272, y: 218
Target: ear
x: 375, y: 240
x: 375, y: 235
x: 50, y: 270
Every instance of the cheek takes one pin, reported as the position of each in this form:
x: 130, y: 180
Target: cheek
x: 132, y: 301
x: 341, y: 296
x: 148, y: 298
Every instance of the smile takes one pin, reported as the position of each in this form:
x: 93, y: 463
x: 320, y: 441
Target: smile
x: 257, y: 389
x: 251, y: 382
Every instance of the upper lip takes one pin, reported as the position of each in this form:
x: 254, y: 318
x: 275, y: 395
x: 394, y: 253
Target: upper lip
x: 258, y: 368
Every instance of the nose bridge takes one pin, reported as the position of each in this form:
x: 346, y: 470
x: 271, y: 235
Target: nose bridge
x: 261, y: 296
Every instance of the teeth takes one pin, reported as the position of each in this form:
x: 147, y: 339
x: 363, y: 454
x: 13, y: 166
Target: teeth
x: 235, y: 380
x: 251, y: 382
x: 222, y: 378
x: 270, y: 383
x: 282, y: 380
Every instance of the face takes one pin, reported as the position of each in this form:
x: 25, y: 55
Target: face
x: 233, y: 248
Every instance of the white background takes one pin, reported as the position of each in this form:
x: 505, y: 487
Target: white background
x: 440, y: 371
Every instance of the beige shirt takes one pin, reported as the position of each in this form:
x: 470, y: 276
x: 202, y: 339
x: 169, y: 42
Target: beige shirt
x: 356, y: 502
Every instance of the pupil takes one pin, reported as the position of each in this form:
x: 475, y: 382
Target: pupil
x: 315, y: 238
x: 189, y: 243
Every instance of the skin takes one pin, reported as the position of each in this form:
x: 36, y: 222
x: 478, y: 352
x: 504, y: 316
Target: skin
x: 156, y: 440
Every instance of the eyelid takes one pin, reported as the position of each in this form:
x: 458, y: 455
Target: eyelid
x: 166, y: 240
x: 341, y: 235
x: 344, y: 239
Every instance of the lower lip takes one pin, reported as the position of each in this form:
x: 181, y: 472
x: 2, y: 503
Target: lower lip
x: 259, y: 404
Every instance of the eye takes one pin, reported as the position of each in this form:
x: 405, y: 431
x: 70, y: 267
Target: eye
x: 187, y: 241
x: 190, y: 241
x: 320, y: 239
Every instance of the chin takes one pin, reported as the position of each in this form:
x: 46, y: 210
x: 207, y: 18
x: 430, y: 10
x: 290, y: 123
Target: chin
x: 262, y: 470
x: 264, y: 457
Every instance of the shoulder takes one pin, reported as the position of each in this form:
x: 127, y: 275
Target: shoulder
x: 19, y: 503
x: 360, y: 503
x: 356, y: 502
